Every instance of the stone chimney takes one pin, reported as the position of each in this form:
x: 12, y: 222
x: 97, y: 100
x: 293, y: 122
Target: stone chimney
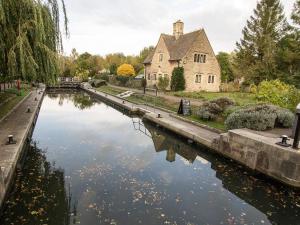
x: 178, y: 29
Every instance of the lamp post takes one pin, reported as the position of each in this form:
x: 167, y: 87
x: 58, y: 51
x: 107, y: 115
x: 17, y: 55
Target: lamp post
x: 297, y: 129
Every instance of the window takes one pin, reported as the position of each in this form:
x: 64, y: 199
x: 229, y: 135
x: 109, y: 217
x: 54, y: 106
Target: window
x: 195, y: 57
x: 154, y: 76
x: 211, y: 79
x: 200, y: 58
x: 149, y: 76
x: 161, y: 57
x: 198, y: 78
x: 204, y: 58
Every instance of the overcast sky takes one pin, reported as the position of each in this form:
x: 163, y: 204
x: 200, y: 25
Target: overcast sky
x: 108, y: 26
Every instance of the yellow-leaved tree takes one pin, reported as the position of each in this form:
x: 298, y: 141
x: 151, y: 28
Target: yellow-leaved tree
x: 126, y: 70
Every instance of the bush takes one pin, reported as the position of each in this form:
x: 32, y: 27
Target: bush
x: 177, y: 80
x: 260, y: 117
x: 163, y: 83
x: 212, y: 109
x: 122, y: 80
x: 230, y: 87
x: 102, y: 77
x: 98, y: 83
x: 126, y: 70
x: 279, y: 93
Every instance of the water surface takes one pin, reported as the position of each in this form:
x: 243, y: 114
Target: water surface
x: 91, y: 164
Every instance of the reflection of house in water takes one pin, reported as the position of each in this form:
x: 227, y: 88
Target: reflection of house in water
x: 172, y: 146
x: 279, y: 203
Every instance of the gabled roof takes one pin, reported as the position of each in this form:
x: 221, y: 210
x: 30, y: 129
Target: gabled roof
x: 177, y: 48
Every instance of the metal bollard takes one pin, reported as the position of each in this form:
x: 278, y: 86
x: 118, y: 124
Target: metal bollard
x: 11, y: 140
x: 297, y: 129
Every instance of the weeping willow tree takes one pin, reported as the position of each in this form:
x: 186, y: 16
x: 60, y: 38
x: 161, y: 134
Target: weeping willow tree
x: 31, y: 39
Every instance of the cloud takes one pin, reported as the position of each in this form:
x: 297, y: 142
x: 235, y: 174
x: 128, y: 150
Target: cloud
x: 106, y: 26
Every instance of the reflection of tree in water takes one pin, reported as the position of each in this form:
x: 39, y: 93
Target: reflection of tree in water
x: 39, y: 195
x: 83, y: 101
x: 80, y: 99
x: 278, y: 202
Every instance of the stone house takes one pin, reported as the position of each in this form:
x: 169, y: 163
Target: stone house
x: 192, y: 51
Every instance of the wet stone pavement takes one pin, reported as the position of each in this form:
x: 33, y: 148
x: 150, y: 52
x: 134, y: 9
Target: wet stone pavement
x: 90, y: 164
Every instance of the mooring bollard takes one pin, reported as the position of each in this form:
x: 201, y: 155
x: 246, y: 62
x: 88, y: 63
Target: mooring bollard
x: 284, y: 140
x: 297, y: 129
x: 159, y: 115
x: 11, y: 140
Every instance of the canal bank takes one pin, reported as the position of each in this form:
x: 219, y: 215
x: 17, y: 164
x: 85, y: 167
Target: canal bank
x: 255, y: 151
x: 20, y: 123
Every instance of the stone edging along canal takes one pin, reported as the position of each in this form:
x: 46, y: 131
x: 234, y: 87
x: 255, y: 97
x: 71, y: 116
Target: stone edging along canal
x: 257, y: 152
x: 20, y: 123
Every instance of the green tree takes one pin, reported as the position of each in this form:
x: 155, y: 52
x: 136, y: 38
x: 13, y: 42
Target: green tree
x: 288, y: 58
x: 224, y: 60
x: 30, y: 39
x: 296, y: 13
x: 177, y: 80
x: 256, y: 52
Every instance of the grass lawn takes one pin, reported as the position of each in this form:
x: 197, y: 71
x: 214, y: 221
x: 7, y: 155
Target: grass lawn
x: 240, y: 98
x: 110, y: 90
x: 141, y: 99
x: 14, y: 100
x: 153, y: 101
x: 215, y: 124
x: 162, y: 103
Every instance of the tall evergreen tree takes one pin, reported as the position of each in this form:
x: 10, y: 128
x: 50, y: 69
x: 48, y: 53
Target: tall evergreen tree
x: 30, y: 39
x: 296, y: 13
x: 288, y: 59
x: 256, y: 51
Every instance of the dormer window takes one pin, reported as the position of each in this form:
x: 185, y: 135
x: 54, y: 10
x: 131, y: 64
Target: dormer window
x: 161, y: 57
x: 199, y: 58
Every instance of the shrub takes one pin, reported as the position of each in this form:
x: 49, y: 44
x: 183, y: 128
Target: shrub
x: 260, y: 117
x: 163, y: 83
x: 122, y: 80
x: 177, y: 80
x: 212, y: 109
x: 126, y: 70
x: 102, y: 77
x: 253, y: 89
x: 98, y: 83
x: 278, y: 93
x: 230, y: 87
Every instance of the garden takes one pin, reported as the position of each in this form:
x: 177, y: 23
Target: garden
x: 272, y: 105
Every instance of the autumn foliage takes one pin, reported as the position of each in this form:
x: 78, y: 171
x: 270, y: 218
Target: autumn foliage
x: 126, y: 70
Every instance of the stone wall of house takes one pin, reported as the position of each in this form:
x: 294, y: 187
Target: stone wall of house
x: 210, y: 68
x: 163, y: 68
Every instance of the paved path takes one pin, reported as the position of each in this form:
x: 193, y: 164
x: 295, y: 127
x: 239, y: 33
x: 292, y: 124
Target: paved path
x: 189, y: 130
x: 19, y: 124
x: 170, y: 98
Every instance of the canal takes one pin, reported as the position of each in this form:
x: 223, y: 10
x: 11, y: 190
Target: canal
x: 90, y: 164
